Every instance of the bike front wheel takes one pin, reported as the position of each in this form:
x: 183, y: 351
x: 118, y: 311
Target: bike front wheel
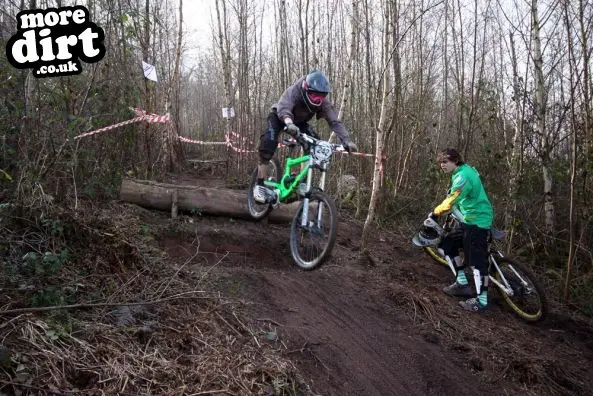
x: 528, y: 300
x: 312, y: 244
x: 435, y: 255
x: 260, y: 210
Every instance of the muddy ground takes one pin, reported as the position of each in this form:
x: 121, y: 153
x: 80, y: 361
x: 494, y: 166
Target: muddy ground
x: 379, y: 325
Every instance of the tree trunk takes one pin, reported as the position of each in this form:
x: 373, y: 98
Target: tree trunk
x: 170, y: 141
x: 380, y: 140
x: 208, y: 201
x: 225, y: 57
x: 148, y: 88
x: 514, y: 163
x: 540, y: 118
x: 349, y: 79
x: 586, y: 89
x: 572, y: 63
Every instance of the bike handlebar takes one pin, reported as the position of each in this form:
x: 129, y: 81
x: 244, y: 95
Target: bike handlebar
x: 311, y: 140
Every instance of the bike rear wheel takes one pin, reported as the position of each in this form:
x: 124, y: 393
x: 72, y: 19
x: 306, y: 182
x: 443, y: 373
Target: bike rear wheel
x: 312, y: 244
x: 258, y: 210
x: 528, y: 300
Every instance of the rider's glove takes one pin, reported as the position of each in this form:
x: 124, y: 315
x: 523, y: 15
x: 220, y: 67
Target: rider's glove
x: 433, y: 216
x: 292, y: 129
x: 350, y: 147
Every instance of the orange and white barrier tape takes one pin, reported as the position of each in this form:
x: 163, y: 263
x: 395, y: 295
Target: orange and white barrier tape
x: 108, y: 128
x: 141, y: 115
x: 152, y: 118
x: 358, y: 154
x: 235, y: 149
x: 192, y: 141
x: 245, y: 139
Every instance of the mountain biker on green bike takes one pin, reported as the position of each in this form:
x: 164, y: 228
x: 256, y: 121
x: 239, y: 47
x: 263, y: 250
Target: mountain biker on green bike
x: 305, y: 98
x: 469, y: 203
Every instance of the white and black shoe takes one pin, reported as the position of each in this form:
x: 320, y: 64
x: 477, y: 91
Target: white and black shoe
x: 259, y: 194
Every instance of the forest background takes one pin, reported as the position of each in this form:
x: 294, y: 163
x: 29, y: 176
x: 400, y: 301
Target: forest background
x: 508, y: 83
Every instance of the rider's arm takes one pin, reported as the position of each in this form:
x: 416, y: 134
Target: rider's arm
x: 328, y: 112
x: 459, y: 188
x: 287, y: 102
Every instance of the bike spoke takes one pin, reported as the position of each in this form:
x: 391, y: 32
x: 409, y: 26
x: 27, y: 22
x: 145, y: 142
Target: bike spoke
x: 524, y: 297
x: 313, y: 241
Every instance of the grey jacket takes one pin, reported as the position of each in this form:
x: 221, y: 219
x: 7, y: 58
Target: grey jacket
x: 292, y: 104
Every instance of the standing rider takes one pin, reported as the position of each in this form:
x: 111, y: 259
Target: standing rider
x: 469, y: 203
x: 305, y: 98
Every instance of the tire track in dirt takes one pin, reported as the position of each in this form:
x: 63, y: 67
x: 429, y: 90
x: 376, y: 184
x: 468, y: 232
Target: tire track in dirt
x: 345, y: 338
x: 358, y: 346
x: 350, y: 332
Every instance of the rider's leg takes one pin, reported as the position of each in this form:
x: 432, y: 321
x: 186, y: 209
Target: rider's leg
x: 451, y: 245
x: 475, y: 244
x: 459, y: 270
x: 268, y: 144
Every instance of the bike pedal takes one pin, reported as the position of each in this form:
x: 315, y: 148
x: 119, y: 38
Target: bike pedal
x: 274, y: 199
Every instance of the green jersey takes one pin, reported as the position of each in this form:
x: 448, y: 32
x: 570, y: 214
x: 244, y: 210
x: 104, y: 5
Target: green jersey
x: 467, y: 198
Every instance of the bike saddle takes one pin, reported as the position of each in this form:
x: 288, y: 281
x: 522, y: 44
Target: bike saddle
x: 497, y: 234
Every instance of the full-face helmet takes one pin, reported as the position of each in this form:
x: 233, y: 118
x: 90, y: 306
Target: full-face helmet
x: 316, y: 86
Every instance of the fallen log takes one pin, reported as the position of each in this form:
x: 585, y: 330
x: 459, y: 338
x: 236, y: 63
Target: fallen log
x: 208, y: 201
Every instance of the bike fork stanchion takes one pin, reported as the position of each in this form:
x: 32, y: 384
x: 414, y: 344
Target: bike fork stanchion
x: 305, y: 215
x: 322, y: 188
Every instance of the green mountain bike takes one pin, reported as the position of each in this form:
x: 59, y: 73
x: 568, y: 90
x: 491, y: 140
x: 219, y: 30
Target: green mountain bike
x: 314, y: 226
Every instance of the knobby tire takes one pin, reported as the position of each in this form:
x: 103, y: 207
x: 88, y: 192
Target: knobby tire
x: 434, y: 254
x: 508, y: 300
x: 296, y: 231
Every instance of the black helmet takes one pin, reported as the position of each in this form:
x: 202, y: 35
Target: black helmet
x: 315, y: 88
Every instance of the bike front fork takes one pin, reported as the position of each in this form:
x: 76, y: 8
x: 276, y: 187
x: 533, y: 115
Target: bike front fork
x: 307, y: 200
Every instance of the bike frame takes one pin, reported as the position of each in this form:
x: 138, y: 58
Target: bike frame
x: 284, y: 192
x: 506, y: 287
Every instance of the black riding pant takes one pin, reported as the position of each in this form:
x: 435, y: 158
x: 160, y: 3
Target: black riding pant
x: 474, y: 242
x: 268, y: 142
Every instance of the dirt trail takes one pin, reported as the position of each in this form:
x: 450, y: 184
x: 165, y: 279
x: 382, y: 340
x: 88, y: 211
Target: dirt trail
x: 383, y: 326
x: 351, y: 345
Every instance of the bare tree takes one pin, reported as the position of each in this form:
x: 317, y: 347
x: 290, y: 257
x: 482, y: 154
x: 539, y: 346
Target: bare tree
x: 303, y: 16
x: 539, y: 109
x: 225, y: 56
x: 574, y: 153
x: 349, y: 75
x: 382, y: 123
x: 515, y: 162
x: 586, y: 88
x: 170, y: 141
